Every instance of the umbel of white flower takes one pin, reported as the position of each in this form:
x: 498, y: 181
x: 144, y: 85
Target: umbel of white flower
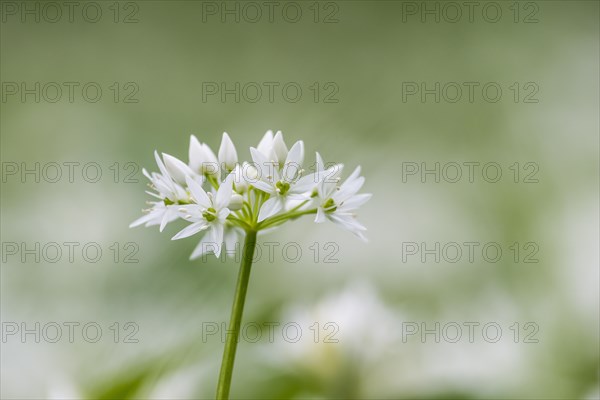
x: 223, y: 198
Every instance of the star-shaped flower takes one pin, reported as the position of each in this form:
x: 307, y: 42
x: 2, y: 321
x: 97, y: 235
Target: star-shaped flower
x: 208, y: 213
x: 338, y: 203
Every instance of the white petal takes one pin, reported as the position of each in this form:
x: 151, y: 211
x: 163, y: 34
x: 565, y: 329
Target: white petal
x: 195, y: 154
x: 321, y: 189
x: 325, y: 189
x: 354, y: 202
x: 199, y: 179
x: 158, y: 220
x: 348, y: 189
x: 296, y: 155
x: 142, y: 220
x: 191, y: 229
x: 232, y: 240
x: 320, y: 164
x: 266, y: 143
x: 279, y: 148
x: 198, y: 193
x: 191, y: 212
x: 202, y: 158
x: 297, y: 196
x: 265, y: 187
x: 265, y: 167
x: 180, y: 193
x: 224, y: 193
x: 320, y: 218
x: 146, y: 174
x: 177, y: 168
x: 218, y: 238
x: 347, y: 221
x: 292, y: 168
x: 169, y: 215
x: 206, y: 245
x: 361, y: 236
x: 209, y: 154
x: 227, y: 153
x: 297, y: 202
x: 211, y: 164
x: 332, y: 173
x: 260, y: 162
x: 211, y: 242
x: 354, y: 174
x: 223, y: 214
x: 308, y: 182
x: 164, y: 185
x: 161, y: 165
x: 270, y: 208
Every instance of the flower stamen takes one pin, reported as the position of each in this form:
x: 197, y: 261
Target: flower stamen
x: 282, y: 187
x: 210, y: 214
x: 329, y: 205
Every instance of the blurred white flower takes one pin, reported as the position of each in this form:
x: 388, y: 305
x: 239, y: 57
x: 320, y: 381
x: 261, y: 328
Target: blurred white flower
x: 353, y: 324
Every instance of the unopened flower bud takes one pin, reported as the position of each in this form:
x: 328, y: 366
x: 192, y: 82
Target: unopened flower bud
x: 239, y: 181
x: 227, y: 153
x: 236, y: 202
x: 176, y: 168
x: 202, y: 158
x: 250, y: 172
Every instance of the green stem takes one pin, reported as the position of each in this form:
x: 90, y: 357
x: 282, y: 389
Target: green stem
x: 236, y: 317
x: 213, y: 181
x: 243, y: 224
x: 284, y: 217
x: 258, y: 201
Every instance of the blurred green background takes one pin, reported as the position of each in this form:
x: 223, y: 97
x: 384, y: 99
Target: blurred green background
x: 367, y: 50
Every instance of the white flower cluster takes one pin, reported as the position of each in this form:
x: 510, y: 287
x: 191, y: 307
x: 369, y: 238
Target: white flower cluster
x: 224, y: 199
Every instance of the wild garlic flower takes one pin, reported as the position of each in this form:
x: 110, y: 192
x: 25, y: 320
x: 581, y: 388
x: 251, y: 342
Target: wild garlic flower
x: 169, y: 192
x: 278, y: 179
x: 224, y: 199
x: 208, y: 213
x: 338, y: 203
